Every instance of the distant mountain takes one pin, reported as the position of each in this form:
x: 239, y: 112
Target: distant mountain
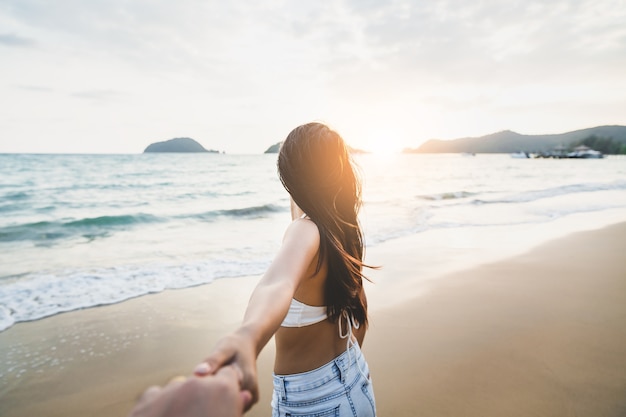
x: 508, y: 141
x: 177, y: 145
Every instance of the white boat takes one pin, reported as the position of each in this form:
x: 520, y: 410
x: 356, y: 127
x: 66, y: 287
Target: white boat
x: 520, y: 155
x: 584, y: 152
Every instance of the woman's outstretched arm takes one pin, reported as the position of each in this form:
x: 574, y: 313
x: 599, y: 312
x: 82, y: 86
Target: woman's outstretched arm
x: 268, y: 305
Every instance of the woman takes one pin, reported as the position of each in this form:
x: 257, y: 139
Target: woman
x: 311, y: 297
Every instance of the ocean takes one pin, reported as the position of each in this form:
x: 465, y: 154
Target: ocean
x: 79, y: 231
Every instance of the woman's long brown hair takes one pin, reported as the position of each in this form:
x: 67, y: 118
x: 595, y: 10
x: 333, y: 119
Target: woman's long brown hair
x: 315, y: 167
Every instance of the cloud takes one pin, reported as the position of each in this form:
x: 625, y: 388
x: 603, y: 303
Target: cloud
x: 13, y: 40
x: 440, y: 39
x: 463, y: 40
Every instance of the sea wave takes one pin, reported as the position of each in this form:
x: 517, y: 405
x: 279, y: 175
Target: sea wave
x: 16, y: 195
x: 14, y: 201
x: 534, y: 195
x: 453, y: 195
x: 94, y: 227
x: 6, y: 208
x: 36, y: 296
x: 88, y: 227
x: 104, y: 221
x: 244, y: 212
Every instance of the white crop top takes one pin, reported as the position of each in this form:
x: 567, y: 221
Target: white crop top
x: 301, y: 314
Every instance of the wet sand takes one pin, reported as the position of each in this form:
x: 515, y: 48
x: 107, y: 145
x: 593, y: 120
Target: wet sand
x: 538, y: 334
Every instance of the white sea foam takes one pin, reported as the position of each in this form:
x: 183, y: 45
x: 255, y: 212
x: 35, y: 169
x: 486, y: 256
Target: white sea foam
x: 41, y: 295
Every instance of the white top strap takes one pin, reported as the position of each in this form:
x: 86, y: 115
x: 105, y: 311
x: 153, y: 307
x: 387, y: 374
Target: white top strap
x: 350, y: 324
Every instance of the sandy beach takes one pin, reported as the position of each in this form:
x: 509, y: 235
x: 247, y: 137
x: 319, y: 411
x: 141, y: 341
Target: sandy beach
x: 540, y: 333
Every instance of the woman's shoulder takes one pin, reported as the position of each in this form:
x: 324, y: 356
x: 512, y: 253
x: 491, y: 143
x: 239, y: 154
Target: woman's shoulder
x: 303, y: 230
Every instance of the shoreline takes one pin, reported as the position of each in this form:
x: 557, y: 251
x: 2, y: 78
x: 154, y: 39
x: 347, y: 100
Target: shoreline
x: 537, y: 332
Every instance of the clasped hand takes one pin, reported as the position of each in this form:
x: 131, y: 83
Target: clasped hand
x: 238, y: 352
x: 216, y: 395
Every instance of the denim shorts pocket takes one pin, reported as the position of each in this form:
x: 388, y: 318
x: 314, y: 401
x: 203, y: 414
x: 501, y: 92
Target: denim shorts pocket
x: 333, y: 412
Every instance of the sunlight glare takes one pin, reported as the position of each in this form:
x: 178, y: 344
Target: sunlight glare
x: 384, y: 141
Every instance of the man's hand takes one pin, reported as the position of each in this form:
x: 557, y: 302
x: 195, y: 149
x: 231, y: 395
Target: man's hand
x: 215, y: 395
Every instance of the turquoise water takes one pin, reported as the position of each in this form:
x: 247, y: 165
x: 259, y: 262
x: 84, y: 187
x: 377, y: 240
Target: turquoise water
x: 78, y: 231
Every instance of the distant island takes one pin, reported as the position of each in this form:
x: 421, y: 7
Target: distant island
x: 274, y: 148
x: 185, y: 145
x: 606, y: 139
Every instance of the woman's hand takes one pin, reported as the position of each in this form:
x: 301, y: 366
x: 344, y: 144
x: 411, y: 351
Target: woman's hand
x: 238, y: 351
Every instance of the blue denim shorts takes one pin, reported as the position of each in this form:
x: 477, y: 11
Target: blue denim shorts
x: 340, y: 388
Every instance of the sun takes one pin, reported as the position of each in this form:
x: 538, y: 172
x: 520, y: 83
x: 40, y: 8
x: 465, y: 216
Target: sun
x: 383, y: 142
x: 382, y: 148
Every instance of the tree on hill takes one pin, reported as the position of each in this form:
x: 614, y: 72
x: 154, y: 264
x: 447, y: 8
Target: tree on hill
x: 606, y: 145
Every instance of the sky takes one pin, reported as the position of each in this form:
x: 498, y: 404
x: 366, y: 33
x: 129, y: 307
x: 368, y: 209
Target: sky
x: 113, y: 76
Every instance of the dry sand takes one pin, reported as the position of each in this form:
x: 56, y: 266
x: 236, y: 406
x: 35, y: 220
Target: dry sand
x: 540, y: 334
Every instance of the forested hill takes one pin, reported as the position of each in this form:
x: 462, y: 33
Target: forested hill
x: 508, y: 142
x: 186, y: 145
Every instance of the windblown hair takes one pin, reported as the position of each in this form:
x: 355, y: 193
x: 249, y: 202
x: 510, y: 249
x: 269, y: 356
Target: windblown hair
x: 315, y: 167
